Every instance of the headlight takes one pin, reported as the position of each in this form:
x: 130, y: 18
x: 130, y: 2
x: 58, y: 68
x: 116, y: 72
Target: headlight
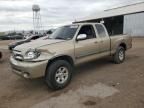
x: 31, y: 54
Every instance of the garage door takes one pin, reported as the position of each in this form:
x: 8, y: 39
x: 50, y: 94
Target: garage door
x: 134, y: 24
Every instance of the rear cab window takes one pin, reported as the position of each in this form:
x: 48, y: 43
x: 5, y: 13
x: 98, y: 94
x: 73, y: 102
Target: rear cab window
x: 101, y: 31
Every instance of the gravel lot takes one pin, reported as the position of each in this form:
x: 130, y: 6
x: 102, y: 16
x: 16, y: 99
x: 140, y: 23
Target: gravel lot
x: 97, y: 84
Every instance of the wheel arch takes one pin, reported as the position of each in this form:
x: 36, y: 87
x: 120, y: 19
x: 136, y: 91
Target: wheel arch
x: 123, y: 45
x: 61, y: 57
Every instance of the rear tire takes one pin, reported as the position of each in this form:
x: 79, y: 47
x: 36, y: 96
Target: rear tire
x: 119, y: 56
x: 58, y: 74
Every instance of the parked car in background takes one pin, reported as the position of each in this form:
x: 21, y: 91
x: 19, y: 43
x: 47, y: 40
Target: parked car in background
x: 5, y: 37
x: 11, y: 46
x: 54, y: 58
x: 11, y: 37
x: 15, y: 37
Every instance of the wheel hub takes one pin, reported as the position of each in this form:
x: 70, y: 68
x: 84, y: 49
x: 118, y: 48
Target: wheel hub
x: 61, y: 75
x: 121, y: 55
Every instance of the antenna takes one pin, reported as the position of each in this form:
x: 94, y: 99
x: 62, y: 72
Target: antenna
x: 36, y: 18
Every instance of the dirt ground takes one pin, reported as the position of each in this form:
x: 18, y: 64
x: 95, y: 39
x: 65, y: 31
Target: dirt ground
x: 90, y: 87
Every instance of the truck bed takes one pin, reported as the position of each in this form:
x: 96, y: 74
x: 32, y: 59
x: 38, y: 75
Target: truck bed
x: 120, y: 39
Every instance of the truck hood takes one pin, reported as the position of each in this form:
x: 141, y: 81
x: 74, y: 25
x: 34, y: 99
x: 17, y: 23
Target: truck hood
x: 37, y: 44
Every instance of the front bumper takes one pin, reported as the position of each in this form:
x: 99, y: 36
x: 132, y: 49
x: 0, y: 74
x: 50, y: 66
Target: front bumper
x: 28, y: 70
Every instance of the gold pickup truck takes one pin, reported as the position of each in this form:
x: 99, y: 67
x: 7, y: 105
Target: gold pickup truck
x: 54, y: 57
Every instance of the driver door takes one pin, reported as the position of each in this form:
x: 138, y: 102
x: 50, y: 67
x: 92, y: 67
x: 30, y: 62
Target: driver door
x: 89, y: 46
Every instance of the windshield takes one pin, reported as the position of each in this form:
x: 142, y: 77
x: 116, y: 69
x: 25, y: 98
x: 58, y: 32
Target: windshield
x: 64, y: 33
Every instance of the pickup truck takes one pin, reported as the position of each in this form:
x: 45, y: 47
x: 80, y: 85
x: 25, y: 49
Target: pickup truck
x: 55, y: 57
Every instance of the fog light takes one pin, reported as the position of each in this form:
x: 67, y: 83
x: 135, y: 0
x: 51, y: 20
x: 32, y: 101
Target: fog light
x: 26, y: 75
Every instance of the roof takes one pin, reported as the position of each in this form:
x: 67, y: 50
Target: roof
x: 124, y: 10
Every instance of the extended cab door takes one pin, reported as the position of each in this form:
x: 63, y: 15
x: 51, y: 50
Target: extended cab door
x: 105, y: 39
x: 89, y: 46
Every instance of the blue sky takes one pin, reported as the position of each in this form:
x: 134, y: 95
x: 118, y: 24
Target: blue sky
x: 17, y: 14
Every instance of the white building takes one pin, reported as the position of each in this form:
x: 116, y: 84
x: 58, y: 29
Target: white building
x: 127, y: 19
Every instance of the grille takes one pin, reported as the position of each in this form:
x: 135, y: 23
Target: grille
x: 17, y: 55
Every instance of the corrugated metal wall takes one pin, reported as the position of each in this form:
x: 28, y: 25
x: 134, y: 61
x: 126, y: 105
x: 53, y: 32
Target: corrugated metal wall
x: 134, y: 24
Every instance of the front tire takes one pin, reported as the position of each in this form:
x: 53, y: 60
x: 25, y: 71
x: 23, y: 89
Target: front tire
x: 119, y: 56
x: 58, y: 74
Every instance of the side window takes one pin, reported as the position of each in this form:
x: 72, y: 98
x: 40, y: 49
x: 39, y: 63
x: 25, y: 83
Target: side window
x: 101, y: 31
x: 88, y: 30
x: 35, y: 37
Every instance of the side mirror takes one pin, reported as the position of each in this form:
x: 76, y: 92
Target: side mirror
x: 81, y: 37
